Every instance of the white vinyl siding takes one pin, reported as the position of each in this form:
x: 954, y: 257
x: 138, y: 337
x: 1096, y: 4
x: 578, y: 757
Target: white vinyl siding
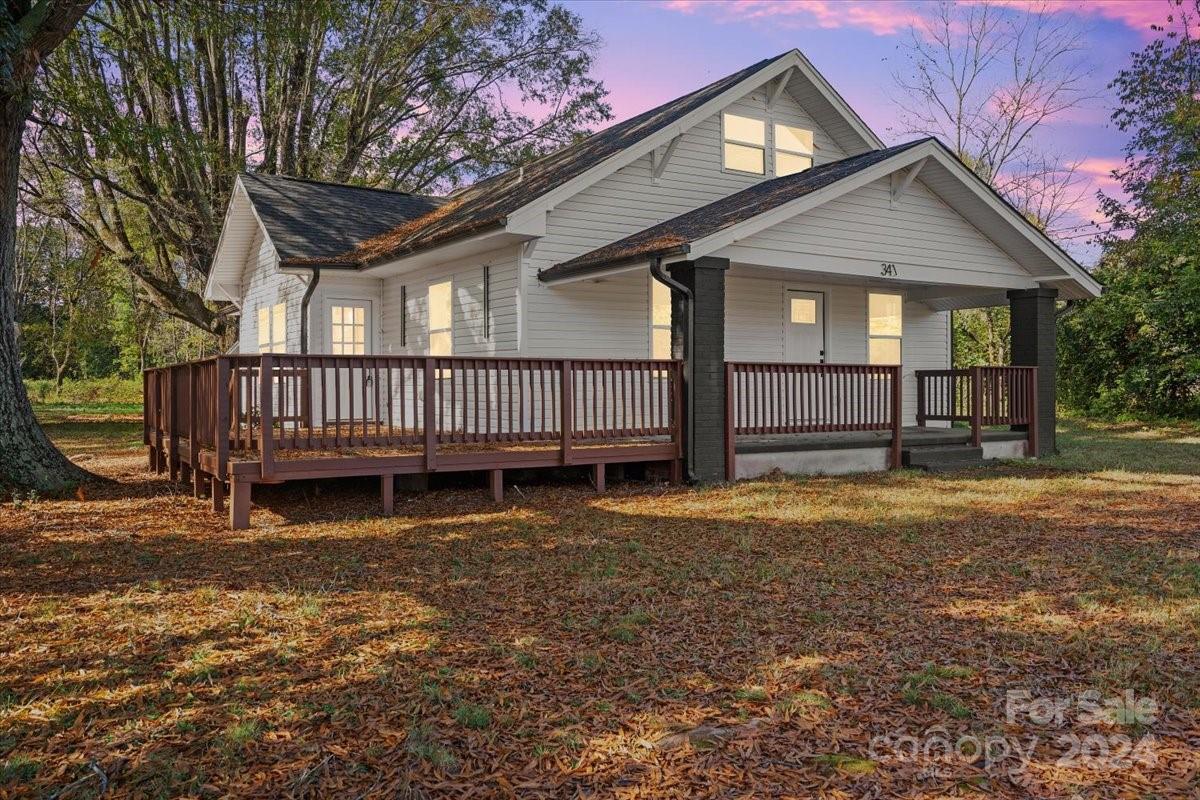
x: 466, y: 278
x: 264, y: 286
x: 754, y: 314
x: 864, y: 227
x: 611, y: 318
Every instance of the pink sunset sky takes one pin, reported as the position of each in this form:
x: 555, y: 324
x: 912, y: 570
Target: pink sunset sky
x: 654, y: 51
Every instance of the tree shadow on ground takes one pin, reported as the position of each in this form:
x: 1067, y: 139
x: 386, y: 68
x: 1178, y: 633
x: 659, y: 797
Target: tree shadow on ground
x: 554, y: 642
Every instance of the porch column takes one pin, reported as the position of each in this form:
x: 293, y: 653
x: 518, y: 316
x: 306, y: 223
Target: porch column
x: 1033, y: 336
x: 704, y: 364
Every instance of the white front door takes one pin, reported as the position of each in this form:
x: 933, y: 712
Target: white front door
x: 804, y: 327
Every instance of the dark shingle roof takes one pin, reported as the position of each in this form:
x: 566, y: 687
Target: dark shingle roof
x: 314, y: 220
x: 673, y: 236
x: 485, y: 204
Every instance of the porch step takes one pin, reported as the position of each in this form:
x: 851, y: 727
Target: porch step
x: 942, y: 457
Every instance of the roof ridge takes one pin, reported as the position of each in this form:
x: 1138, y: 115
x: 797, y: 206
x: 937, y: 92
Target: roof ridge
x: 269, y: 176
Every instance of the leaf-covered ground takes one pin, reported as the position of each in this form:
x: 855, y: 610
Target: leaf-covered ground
x: 758, y: 640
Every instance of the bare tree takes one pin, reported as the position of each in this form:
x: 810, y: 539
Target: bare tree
x: 984, y: 77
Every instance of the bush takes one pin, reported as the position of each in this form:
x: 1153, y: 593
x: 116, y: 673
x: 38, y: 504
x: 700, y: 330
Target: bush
x: 112, y: 390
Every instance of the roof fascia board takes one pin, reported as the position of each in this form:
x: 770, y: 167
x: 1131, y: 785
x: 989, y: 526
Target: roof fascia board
x: 419, y: 258
x: 866, y: 270
x: 793, y: 60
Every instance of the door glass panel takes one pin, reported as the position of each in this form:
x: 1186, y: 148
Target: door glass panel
x: 804, y: 311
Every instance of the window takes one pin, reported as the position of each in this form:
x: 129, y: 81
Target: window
x: 272, y: 329
x: 348, y: 330
x: 441, y: 314
x: 660, y: 320
x: 745, y: 144
x: 885, y: 325
x: 793, y: 149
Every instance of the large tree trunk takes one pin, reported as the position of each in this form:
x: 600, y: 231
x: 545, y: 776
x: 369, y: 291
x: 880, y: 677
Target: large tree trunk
x: 28, y: 460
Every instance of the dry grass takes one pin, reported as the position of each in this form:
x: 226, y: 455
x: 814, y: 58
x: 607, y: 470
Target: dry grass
x: 651, y: 642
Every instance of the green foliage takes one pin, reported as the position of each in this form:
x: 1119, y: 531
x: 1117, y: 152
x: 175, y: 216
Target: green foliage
x: 1136, y: 350
x: 150, y: 110
x: 981, y: 336
x: 99, y: 392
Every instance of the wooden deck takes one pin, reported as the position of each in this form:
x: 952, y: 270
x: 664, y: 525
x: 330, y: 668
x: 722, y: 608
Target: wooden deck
x: 237, y: 421
x: 230, y: 422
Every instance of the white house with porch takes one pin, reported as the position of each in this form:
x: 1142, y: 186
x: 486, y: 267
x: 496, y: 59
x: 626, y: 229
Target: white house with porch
x: 755, y: 235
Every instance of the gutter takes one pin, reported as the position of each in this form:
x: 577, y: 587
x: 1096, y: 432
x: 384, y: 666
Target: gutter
x: 308, y: 293
x: 689, y: 362
x: 567, y: 270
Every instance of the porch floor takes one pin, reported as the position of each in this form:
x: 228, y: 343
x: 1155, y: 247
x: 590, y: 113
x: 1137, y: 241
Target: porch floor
x: 912, y: 436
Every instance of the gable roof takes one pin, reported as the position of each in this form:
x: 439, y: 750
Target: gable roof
x: 709, y: 228
x: 674, y: 236
x: 488, y: 203
x: 314, y: 219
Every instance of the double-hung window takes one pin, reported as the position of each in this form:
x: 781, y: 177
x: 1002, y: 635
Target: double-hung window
x: 441, y: 319
x: 793, y: 149
x: 272, y: 328
x: 660, y: 320
x: 885, y: 327
x: 745, y: 142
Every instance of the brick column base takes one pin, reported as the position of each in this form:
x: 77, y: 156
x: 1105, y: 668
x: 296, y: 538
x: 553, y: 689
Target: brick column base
x: 1034, y: 344
x: 704, y: 365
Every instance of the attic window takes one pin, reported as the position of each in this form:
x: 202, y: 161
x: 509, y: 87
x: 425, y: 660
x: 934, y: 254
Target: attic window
x: 745, y: 142
x: 793, y: 149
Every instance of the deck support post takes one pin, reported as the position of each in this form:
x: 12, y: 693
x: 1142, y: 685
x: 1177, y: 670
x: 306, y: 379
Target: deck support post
x: 239, y: 503
x: 496, y: 484
x: 704, y: 363
x: 1034, y: 344
x: 217, y: 489
x: 197, y: 483
x: 896, y: 455
x: 598, y: 477
x: 387, y: 488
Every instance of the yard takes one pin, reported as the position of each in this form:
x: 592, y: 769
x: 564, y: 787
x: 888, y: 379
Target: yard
x: 833, y: 637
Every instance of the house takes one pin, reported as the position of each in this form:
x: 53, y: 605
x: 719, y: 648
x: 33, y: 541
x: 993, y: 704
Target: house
x: 754, y: 244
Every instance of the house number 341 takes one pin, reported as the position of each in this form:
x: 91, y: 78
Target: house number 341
x: 888, y: 270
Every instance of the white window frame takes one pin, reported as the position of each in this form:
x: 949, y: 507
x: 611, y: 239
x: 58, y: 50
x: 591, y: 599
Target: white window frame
x: 725, y: 139
x: 659, y: 326
x: 776, y: 149
x: 429, y: 329
x: 275, y: 317
x: 871, y: 336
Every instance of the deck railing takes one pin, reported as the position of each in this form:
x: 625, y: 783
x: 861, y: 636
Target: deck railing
x: 811, y: 398
x: 980, y: 396
x: 267, y: 404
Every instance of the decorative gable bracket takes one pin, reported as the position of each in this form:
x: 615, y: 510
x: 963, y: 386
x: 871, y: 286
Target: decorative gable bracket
x: 901, y: 181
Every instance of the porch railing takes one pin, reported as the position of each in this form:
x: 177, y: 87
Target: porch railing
x: 268, y: 404
x: 810, y: 398
x: 980, y: 396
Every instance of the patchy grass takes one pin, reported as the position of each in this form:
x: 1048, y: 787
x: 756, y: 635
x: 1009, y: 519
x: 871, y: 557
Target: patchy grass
x: 773, y: 629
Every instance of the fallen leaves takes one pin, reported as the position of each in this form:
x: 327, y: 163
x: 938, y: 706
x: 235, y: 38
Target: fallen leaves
x: 652, y: 642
